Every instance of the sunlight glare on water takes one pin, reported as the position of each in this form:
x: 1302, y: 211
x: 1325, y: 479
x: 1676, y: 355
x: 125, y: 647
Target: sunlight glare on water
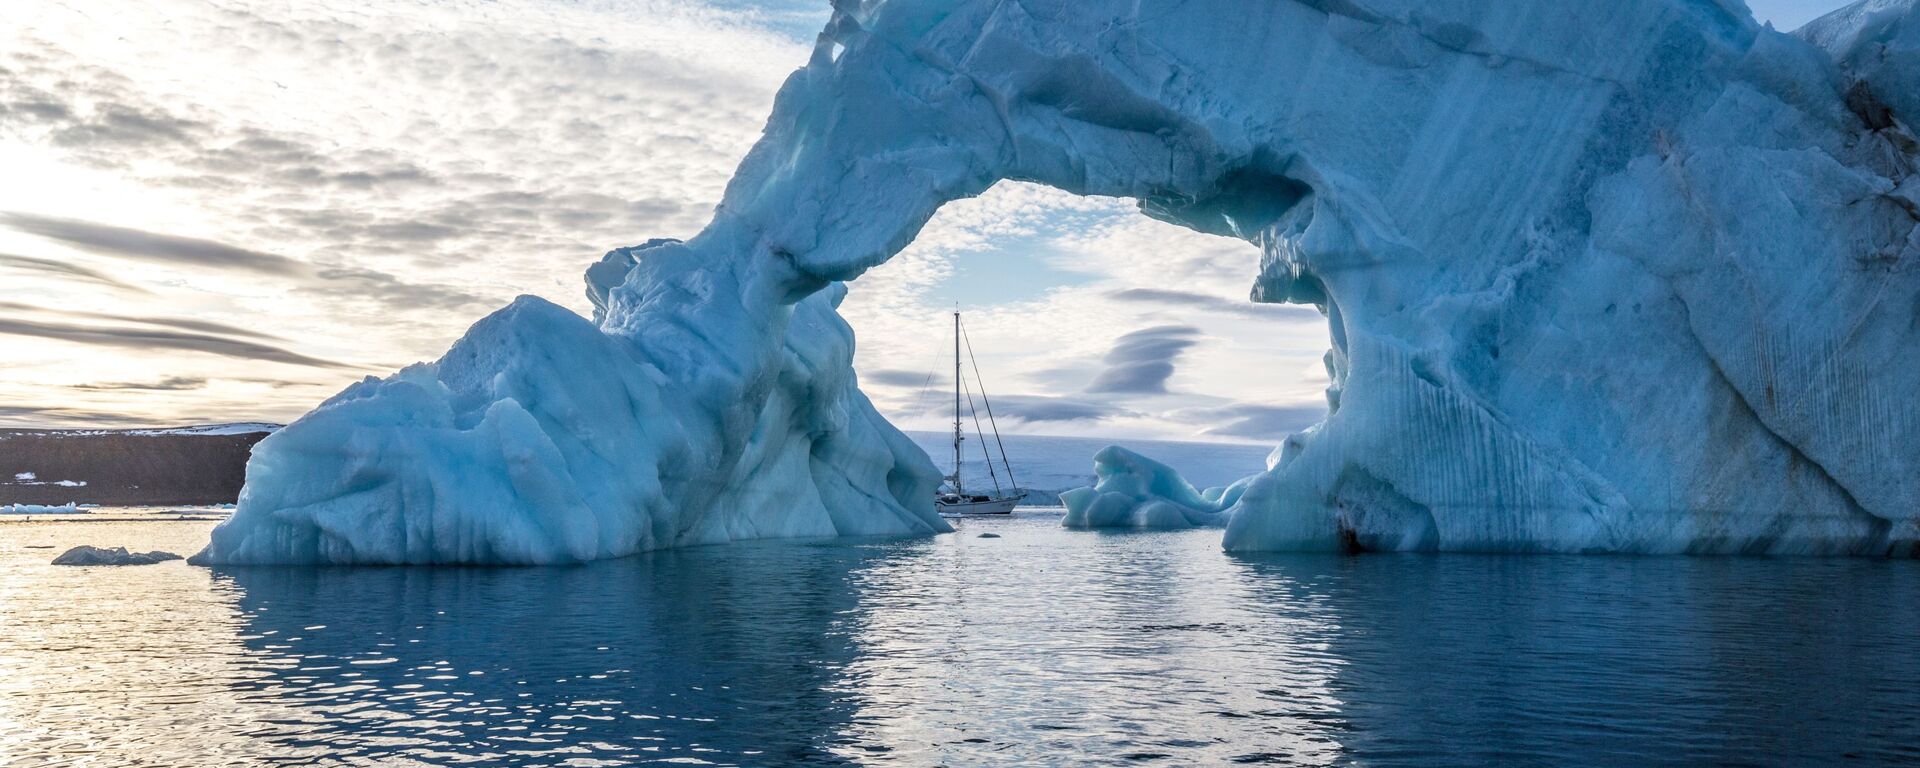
x: 1041, y: 647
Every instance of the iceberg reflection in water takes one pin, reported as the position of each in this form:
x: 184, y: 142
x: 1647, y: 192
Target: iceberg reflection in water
x: 1041, y: 647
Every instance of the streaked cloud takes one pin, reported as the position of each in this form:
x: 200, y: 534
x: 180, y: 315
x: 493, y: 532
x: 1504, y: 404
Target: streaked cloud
x: 177, y: 323
x: 1034, y: 409
x: 1142, y: 361
x: 1211, y: 303
x: 897, y: 378
x: 1258, y: 422
x: 126, y: 337
x: 335, y: 281
x: 168, y: 384
x: 55, y: 414
x: 63, y: 269
x: 124, y: 242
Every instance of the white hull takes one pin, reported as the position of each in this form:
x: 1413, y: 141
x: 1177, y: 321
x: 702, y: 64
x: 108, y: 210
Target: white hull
x: 992, y: 507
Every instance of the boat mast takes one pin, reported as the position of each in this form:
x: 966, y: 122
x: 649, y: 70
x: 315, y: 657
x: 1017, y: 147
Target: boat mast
x: 957, y: 434
x: 984, y: 400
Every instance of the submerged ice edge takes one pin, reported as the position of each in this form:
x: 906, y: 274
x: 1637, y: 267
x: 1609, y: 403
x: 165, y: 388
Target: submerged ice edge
x: 1615, y: 277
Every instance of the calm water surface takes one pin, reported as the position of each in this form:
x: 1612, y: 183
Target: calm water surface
x: 1041, y: 647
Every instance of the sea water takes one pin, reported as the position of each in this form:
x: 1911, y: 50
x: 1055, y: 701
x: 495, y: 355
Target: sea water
x: 1036, y: 647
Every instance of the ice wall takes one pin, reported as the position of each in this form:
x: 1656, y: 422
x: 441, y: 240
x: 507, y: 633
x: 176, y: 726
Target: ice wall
x: 1634, y: 275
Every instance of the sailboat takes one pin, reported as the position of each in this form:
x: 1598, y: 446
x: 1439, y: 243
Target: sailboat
x: 953, y: 499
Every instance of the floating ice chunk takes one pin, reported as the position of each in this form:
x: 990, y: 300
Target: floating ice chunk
x: 39, y: 509
x: 1133, y: 491
x: 90, y: 555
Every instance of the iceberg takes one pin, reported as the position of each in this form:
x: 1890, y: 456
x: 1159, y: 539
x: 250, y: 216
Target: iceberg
x: 90, y: 555
x: 1133, y: 491
x: 542, y: 438
x: 1634, y: 276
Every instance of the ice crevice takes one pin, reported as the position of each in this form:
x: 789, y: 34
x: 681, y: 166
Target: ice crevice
x: 1878, y: 526
x: 1593, y: 272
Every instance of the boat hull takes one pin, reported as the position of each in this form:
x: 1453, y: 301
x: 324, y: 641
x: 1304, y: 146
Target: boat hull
x: 968, y: 508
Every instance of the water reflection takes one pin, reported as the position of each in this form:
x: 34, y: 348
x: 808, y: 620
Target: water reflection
x: 1049, y: 646
x: 721, y: 656
x: 1614, y: 660
x: 1040, y: 647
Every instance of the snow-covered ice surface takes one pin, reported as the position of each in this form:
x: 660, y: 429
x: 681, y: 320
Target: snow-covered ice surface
x: 1629, y: 276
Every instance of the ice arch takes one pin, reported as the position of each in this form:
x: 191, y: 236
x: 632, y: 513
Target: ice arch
x: 1633, y: 275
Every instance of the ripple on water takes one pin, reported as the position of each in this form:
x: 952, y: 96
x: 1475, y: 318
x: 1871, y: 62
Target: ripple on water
x: 1040, y: 647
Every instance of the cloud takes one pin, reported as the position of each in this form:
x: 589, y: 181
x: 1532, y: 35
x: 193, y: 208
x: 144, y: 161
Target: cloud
x: 183, y: 324
x: 420, y: 161
x: 896, y: 378
x: 1037, y: 408
x: 1260, y: 422
x: 1142, y: 361
x: 321, y: 280
x: 148, y: 339
x: 122, y: 126
x: 64, y: 269
x: 1020, y: 408
x: 1216, y: 304
x: 386, y: 289
x: 374, y: 171
x: 40, y: 416
x: 109, y: 240
x: 168, y: 384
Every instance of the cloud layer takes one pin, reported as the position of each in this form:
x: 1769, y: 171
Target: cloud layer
x: 229, y: 210
x: 1142, y: 361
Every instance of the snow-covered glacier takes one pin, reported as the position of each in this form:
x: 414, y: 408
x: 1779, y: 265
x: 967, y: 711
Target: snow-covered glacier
x: 1620, y: 276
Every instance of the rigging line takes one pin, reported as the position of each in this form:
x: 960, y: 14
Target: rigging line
x: 989, y: 404
x: 987, y: 457
x: 921, y: 399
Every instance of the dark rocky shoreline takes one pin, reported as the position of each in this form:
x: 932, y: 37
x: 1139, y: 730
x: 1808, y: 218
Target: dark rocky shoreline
x: 124, y: 467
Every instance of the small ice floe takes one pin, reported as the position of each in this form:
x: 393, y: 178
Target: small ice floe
x: 68, y: 508
x: 29, y: 478
x: 89, y: 555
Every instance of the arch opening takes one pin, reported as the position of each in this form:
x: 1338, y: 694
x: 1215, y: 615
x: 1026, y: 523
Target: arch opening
x: 1469, y: 257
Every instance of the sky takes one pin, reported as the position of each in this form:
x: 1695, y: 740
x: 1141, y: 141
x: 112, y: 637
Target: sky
x: 226, y: 211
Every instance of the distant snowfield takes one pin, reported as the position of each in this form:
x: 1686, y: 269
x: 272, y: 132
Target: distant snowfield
x: 1049, y: 465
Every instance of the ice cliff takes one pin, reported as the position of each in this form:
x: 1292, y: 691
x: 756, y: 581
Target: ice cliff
x: 1633, y: 275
